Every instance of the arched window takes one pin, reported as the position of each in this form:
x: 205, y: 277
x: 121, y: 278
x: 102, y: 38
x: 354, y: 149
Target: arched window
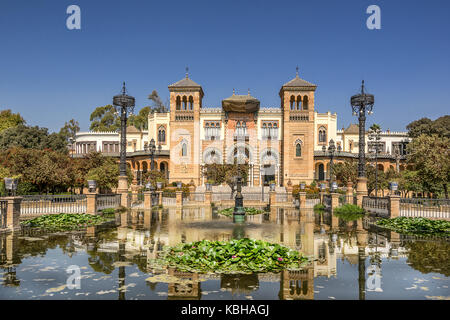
x: 161, y: 135
x: 292, y: 102
x: 178, y: 104
x: 275, y: 131
x: 299, y: 102
x: 184, y: 103
x: 305, y: 102
x: 184, y: 150
x: 298, y: 149
x: 191, y: 103
x: 322, y: 134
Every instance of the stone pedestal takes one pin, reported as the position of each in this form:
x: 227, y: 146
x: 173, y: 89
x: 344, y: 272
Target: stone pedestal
x: 122, y: 188
x: 272, y: 198
x: 361, y: 190
x: 289, y: 190
x: 334, y: 200
x: 349, y: 193
x: 147, y: 200
x: 160, y: 196
x: 394, y: 204
x: 179, y: 198
x: 13, y: 213
x: 302, y: 198
x: 208, y: 198
x: 321, y: 194
x: 91, y: 200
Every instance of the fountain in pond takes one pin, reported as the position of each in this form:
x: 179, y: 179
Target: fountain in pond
x: 239, y: 212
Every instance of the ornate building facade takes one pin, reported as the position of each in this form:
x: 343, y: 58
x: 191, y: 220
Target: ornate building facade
x: 282, y: 144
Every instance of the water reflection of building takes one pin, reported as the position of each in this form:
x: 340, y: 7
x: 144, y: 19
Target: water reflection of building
x: 188, y: 288
x: 297, y: 285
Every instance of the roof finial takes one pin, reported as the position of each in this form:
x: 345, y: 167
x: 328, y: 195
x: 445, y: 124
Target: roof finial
x: 187, y: 72
x: 362, y: 87
x: 123, y: 88
x: 248, y: 91
x: 296, y: 73
x: 233, y: 92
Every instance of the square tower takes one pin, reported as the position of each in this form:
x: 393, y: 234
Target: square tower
x: 297, y: 107
x: 185, y: 104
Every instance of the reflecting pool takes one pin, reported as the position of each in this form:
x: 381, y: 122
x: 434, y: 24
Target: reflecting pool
x: 351, y: 260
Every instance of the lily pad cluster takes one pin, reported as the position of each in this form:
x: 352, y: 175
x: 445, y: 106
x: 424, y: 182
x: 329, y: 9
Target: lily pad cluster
x: 416, y: 225
x: 235, y: 256
x: 248, y: 211
x: 65, y: 221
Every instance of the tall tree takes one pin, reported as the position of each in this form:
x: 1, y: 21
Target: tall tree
x: 140, y: 121
x: 158, y: 105
x: 439, y: 127
x: 32, y: 138
x: 105, y: 119
x: 9, y: 119
x: 70, y: 129
x: 431, y: 158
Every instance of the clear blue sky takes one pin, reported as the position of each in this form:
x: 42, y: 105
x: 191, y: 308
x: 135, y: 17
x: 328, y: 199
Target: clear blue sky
x: 51, y: 74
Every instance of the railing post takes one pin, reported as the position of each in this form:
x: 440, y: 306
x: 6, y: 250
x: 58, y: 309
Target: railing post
x: 321, y: 195
x: 91, y: 203
x: 394, y: 206
x: 272, y: 198
x: 208, y: 198
x: 179, y: 198
x: 349, y: 193
x: 302, y: 199
x: 147, y: 199
x: 160, y: 196
x: 334, y: 200
x: 124, y: 200
x: 13, y: 213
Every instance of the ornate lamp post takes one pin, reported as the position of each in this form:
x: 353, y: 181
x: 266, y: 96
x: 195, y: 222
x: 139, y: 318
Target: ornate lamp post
x: 362, y: 103
x: 331, y: 152
x: 152, y: 149
x: 375, y: 136
x: 239, y: 213
x: 124, y: 104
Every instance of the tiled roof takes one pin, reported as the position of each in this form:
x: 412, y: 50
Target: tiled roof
x: 298, y: 82
x: 185, y: 82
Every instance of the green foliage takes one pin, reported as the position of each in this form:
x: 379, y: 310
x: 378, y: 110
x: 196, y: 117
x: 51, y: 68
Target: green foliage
x: 439, y: 127
x: 349, y: 212
x: 319, y: 207
x: 346, y: 171
x: 235, y: 256
x: 249, y: 211
x: 431, y: 158
x: 429, y: 256
x: 45, y: 169
x: 416, y: 225
x: 22, y: 136
x: 64, y: 221
x: 154, y: 176
x: 104, y: 119
x: 9, y: 119
x: 140, y: 121
x: 107, y: 174
x: 70, y: 129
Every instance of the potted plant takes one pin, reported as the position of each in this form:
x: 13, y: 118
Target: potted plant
x: 159, y: 183
x: 209, y: 184
x: 272, y: 185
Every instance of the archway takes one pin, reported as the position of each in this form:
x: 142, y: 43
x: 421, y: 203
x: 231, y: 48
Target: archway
x: 321, y: 175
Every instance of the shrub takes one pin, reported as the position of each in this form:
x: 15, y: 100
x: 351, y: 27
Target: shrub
x: 235, y: 256
x: 349, y: 212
